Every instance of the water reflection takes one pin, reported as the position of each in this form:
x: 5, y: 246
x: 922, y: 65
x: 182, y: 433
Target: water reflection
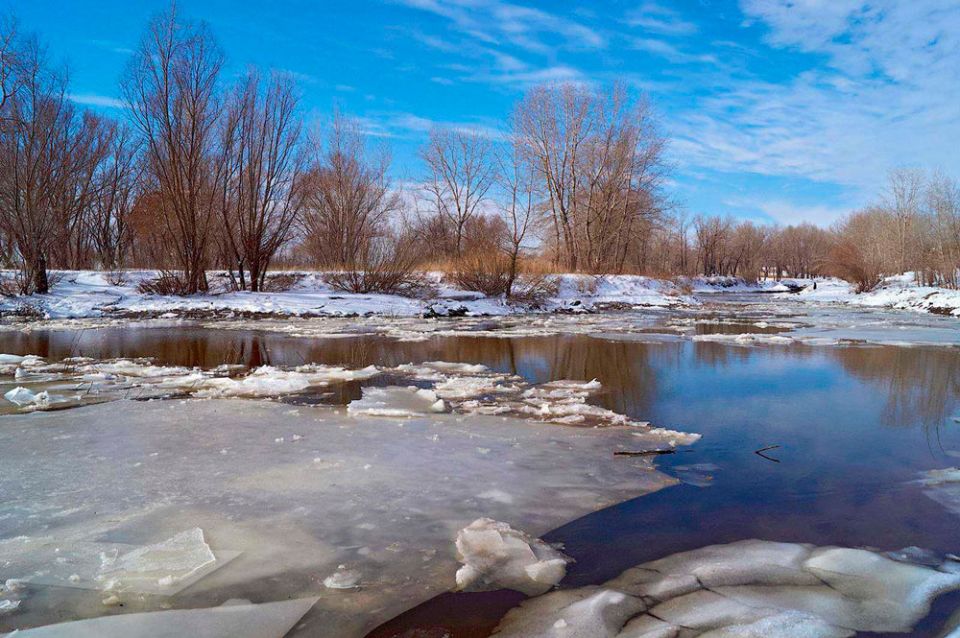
x: 918, y: 386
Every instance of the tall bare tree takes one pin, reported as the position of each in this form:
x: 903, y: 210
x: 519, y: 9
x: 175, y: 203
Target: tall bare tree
x: 265, y: 164
x: 118, y: 188
x: 172, y: 91
x: 518, y: 203
x: 461, y: 172
x: 48, y: 154
x: 348, y: 200
x: 600, y: 158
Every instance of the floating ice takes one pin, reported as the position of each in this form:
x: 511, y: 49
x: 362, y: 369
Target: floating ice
x: 8, y: 606
x: 295, y: 511
x: 269, y: 620
x: 496, y: 556
x: 749, y: 588
x: 941, y: 477
x: 396, y: 402
x: 342, y: 579
x: 24, y: 397
x: 165, y: 563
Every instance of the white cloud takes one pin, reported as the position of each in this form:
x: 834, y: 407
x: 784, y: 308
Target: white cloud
x: 785, y: 212
x: 498, y: 22
x: 881, y: 90
x: 659, y: 19
x: 671, y: 52
x: 90, y: 99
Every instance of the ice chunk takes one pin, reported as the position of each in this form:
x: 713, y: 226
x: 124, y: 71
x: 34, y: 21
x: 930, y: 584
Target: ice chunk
x: 165, y: 563
x: 342, y: 579
x: 943, y: 486
x: 788, y: 624
x: 496, y: 556
x: 269, y: 620
x: 267, y: 381
x: 8, y: 606
x: 24, y: 397
x: 941, y: 477
x: 755, y: 588
x: 394, y: 401
x: 589, y: 612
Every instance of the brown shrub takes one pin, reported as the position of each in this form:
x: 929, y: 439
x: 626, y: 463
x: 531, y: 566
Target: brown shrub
x: 388, y: 266
x: 848, y: 261
x: 167, y: 283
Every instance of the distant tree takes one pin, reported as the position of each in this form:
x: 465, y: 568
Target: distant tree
x: 461, y: 173
x: 348, y: 199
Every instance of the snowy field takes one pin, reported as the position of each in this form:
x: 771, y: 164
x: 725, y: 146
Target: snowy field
x: 89, y: 294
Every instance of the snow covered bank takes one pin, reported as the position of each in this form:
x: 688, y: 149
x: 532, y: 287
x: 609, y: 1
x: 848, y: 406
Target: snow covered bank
x: 899, y: 292
x: 295, y: 495
x: 80, y: 294
x: 749, y: 588
x: 89, y: 294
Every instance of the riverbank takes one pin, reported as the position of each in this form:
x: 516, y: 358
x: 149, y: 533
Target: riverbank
x: 91, y: 294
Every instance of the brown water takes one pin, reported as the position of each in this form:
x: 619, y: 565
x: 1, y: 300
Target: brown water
x: 855, y: 426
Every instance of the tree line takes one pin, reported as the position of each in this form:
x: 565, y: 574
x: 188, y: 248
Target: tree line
x: 202, y: 174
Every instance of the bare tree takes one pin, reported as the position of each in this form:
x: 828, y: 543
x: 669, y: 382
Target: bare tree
x: 348, y: 200
x: 903, y: 200
x: 172, y: 90
x: 265, y: 163
x: 461, y: 173
x: 600, y: 158
x: 117, y: 191
x: 519, y: 206
x: 48, y: 153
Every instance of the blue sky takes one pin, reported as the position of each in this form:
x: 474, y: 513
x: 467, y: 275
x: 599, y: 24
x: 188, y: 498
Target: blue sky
x: 777, y: 110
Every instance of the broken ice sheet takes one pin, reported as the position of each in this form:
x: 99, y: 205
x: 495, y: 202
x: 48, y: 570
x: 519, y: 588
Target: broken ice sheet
x: 163, y: 568
x: 163, y: 564
x: 496, y: 556
x: 146, y: 471
x: 396, y: 402
x: 748, y: 588
x: 269, y: 620
x: 26, y: 398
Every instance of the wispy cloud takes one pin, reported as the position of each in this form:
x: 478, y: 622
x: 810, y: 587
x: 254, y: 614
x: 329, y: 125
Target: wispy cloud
x: 90, y: 99
x: 499, y: 22
x: 659, y: 19
x: 671, y: 52
x: 880, y: 90
x: 402, y: 125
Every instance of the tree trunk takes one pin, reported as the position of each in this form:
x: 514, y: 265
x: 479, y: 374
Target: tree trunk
x: 41, y: 284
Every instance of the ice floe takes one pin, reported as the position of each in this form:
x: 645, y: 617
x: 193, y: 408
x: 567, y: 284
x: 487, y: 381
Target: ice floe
x: 450, y: 386
x: 243, y: 620
x: 748, y: 588
x: 396, y: 402
x: 496, y: 556
x: 162, y: 564
x: 26, y: 398
x: 386, y: 502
